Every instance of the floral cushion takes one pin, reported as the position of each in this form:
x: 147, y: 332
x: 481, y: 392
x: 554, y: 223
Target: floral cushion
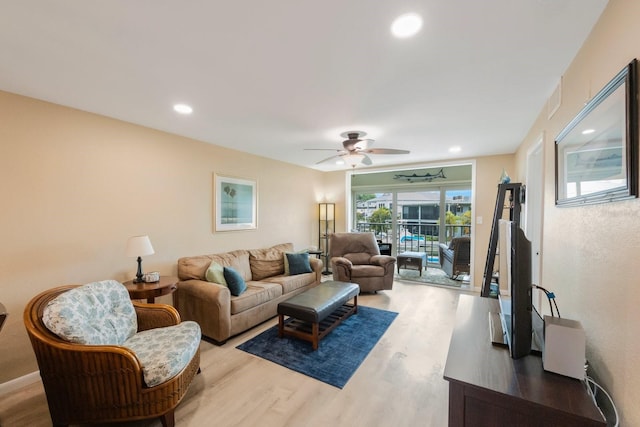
x: 101, y: 313
x: 98, y: 313
x: 164, y: 352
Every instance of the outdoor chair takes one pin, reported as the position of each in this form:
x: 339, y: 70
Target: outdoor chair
x: 455, y: 258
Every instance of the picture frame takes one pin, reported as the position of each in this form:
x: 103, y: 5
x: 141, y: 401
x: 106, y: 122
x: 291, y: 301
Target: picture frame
x: 235, y: 203
x: 596, y: 154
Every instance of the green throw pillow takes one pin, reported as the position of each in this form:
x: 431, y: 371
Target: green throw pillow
x: 286, y: 260
x: 235, y: 282
x: 299, y: 263
x: 215, y: 273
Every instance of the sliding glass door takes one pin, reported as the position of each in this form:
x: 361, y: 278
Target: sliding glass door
x: 415, y: 221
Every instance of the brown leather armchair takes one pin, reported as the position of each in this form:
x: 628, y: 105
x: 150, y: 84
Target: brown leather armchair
x: 355, y: 258
x: 103, y: 383
x: 455, y: 258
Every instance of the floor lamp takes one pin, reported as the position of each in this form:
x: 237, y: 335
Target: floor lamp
x: 326, y: 226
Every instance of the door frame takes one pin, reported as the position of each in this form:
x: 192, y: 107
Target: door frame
x: 534, y: 210
x: 350, y: 207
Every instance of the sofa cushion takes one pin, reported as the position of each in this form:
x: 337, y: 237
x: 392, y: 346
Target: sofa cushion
x: 298, y: 263
x: 235, y: 282
x: 257, y: 293
x: 358, y: 257
x: 269, y: 261
x: 164, y: 352
x: 195, y: 267
x: 291, y: 283
x: 215, y: 274
x: 99, y: 313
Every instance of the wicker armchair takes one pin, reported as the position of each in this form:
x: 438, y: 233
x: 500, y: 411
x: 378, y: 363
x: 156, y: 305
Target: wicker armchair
x: 103, y: 383
x: 455, y: 258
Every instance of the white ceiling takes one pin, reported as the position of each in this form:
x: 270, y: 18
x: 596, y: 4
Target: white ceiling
x: 274, y: 78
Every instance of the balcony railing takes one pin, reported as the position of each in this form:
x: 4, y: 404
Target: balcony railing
x: 415, y: 236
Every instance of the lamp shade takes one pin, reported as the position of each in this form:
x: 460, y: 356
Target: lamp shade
x: 138, y: 246
x: 327, y: 211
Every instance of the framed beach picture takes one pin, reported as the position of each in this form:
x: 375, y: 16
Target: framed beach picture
x: 235, y: 203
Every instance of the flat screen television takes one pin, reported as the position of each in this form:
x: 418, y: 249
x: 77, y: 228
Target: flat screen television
x: 516, y: 312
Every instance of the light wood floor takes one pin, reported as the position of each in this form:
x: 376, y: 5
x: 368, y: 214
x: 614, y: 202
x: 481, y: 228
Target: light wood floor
x: 399, y: 384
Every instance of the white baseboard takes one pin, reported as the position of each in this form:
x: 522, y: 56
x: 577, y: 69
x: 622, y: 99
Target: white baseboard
x: 18, y: 383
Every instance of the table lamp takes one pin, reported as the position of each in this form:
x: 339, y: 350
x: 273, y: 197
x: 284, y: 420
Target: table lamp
x: 137, y: 246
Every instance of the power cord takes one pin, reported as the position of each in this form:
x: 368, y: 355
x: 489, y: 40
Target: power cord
x: 550, y: 297
x: 593, y: 387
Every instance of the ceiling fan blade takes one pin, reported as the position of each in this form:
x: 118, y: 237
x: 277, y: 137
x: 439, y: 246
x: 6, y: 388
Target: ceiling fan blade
x: 384, y: 151
x: 356, y: 149
x: 330, y: 158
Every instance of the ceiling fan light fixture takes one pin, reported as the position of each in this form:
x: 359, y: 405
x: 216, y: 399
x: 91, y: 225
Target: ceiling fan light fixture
x: 406, y: 25
x: 353, y: 159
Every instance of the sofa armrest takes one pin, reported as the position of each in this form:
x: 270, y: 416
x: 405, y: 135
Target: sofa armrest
x: 382, y: 260
x: 341, y: 261
x: 341, y: 269
x: 152, y: 316
x: 385, y: 261
x: 316, y: 265
x: 208, y: 304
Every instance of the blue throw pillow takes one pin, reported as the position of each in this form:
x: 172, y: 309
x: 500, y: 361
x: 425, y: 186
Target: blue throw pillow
x: 299, y: 263
x: 286, y: 261
x: 235, y: 282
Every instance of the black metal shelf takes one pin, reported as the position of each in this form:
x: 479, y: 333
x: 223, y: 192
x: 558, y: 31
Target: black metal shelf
x: 516, y: 198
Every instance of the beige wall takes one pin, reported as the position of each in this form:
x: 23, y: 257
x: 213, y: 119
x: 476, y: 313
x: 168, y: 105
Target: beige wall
x: 335, y: 189
x: 588, y: 252
x: 76, y: 185
x: 488, y: 171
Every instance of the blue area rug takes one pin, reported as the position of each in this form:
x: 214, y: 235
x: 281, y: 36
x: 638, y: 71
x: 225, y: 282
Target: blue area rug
x: 339, y: 354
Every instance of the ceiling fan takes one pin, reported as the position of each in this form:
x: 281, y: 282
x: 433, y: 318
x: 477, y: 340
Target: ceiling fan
x: 356, y: 149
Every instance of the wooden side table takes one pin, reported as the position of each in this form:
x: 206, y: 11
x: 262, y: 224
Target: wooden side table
x: 318, y: 254
x: 165, y: 286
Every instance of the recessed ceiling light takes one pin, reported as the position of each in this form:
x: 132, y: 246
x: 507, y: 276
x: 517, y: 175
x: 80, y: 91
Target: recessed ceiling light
x: 406, y: 25
x: 183, y: 109
x: 455, y: 149
x: 588, y: 131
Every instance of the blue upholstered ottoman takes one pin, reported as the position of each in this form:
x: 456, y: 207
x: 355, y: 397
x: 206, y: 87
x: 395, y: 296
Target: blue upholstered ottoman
x: 412, y: 261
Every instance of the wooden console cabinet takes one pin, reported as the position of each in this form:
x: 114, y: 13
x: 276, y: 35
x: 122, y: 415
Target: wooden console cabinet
x: 489, y: 388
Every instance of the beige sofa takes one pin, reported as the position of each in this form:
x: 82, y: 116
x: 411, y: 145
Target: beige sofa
x: 222, y: 315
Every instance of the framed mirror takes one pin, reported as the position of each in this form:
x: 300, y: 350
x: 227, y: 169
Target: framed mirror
x: 596, y: 153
